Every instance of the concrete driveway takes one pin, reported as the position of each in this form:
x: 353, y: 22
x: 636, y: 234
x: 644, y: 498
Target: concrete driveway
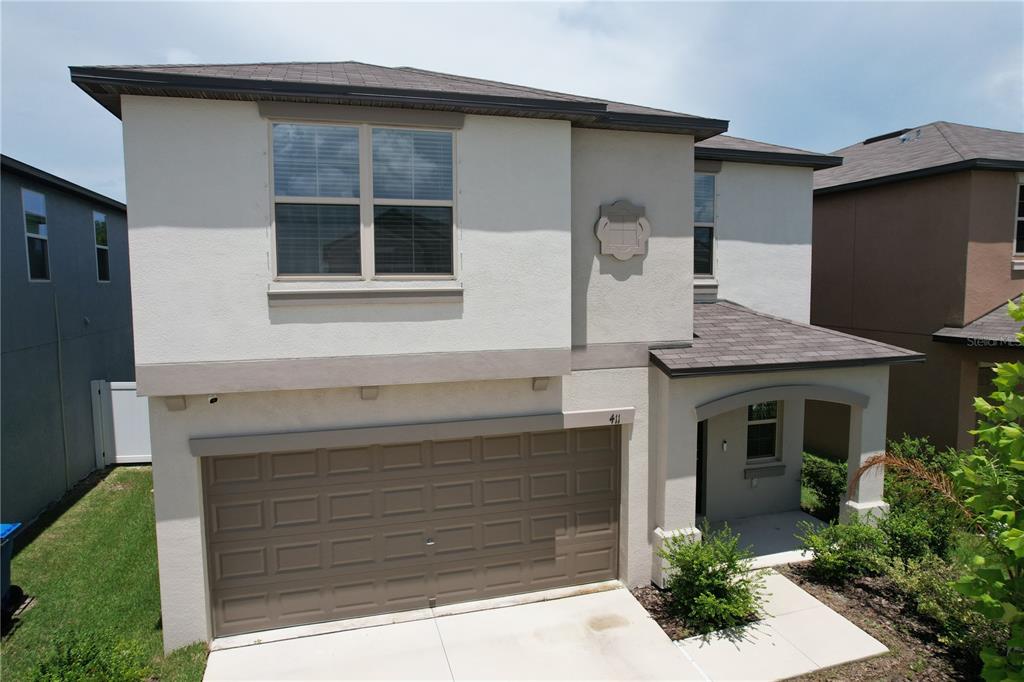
x: 601, y: 636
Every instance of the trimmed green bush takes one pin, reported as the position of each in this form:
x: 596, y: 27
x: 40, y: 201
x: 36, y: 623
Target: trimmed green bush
x: 711, y: 583
x: 928, y: 585
x: 92, y: 657
x: 920, y: 519
x: 827, y: 479
x: 843, y: 551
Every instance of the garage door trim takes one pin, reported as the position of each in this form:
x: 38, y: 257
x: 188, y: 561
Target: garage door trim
x: 207, y: 446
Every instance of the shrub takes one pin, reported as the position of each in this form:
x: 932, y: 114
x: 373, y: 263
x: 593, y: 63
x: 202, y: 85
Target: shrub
x: 92, y: 657
x: 912, y: 534
x: 711, y: 584
x: 827, y: 479
x: 843, y: 551
x: 920, y: 513
x: 928, y: 586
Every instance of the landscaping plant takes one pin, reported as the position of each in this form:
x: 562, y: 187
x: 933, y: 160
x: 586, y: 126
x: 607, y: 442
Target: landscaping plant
x: 827, y: 479
x: 987, y: 486
x: 843, y: 551
x: 710, y: 581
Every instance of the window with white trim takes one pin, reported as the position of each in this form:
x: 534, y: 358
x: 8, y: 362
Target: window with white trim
x: 37, y: 241
x: 703, y: 224
x: 363, y: 201
x: 763, y: 431
x: 99, y: 224
x: 1018, y: 237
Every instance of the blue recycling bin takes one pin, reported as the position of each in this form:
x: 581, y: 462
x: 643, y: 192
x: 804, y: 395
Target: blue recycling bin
x: 7, y: 532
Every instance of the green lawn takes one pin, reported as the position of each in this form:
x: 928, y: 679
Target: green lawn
x: 94, y: 570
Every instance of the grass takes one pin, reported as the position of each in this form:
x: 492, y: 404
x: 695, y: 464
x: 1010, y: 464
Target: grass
x: 95, y: 570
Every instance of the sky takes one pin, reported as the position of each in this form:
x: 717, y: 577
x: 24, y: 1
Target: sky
x: 816, y: 76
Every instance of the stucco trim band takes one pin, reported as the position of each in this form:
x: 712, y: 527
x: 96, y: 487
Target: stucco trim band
x: 282, y: 374
x: 831, y: 394
x: 293, y: 297
x: 209, y: 446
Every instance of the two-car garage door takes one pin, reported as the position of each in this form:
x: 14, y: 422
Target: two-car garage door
x: 308, y: 536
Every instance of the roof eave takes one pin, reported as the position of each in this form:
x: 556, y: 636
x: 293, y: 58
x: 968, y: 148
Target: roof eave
x: 815, y: 161
x: 106, y: 85
x: 969, y: 164
x: 784, y: 367
x: 14, y: 166
x: 975, y: 341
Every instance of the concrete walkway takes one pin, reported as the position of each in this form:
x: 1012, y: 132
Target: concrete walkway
x: 798, y: 635
x: 602, y: 636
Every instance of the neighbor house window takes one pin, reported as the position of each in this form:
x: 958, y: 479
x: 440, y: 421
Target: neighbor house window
x: 99, y: 223
x: 1018, y: 240
x: 703, y: 224
x: 762, y: 430
x: 36, y: 239
x: 340, y: 211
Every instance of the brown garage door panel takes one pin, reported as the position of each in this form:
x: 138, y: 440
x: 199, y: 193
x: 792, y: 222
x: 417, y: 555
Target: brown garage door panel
x: 322, y: 555
x: 321, y: 509
x: 302, y: 537
x: 278, y: 471
x: 244, y: 609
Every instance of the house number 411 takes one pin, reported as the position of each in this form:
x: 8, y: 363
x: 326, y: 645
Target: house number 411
x: 615, y: 418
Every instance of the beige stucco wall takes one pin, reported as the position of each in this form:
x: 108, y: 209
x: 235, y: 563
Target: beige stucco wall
x: 646, y: 298
x: 729, y: 494
x: 763, y: 238
x: 177, y: 484
x: 200, y: 238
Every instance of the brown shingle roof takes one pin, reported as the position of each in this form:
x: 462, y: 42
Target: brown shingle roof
x: 732, y: 339
x: 995, y: 328
x: 932, y: 148
x: 353, y: 82
x: 729, y: 148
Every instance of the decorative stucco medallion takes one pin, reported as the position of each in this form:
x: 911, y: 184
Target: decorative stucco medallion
x: 623, y: 230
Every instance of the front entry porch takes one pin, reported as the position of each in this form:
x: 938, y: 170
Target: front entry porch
x: 771, y: 537
x: 729, y: 423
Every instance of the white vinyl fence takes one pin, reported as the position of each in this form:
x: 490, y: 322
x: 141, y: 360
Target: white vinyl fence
x: 120, y: 423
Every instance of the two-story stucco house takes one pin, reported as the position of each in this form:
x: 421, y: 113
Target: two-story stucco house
x: 412, y: 338
x: 919, y: 241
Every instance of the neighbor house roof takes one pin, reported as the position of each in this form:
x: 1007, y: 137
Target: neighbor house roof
x: 729, y: 148
x: 10, y: 165
x: 730, y: 339
x: 371, y: 85
x: 994, y: 328
x: 930, y: 149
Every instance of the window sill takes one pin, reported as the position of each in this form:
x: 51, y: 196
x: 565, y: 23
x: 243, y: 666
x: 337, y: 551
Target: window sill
x: 329, y: 293
x: 766, y: 469
x: 1018, y: 264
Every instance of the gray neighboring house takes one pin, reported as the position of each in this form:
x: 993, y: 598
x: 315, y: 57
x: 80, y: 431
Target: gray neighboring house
x: 67, y: 320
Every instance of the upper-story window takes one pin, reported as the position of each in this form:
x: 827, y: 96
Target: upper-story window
x: 703, y: 224
x: 36, y: 238
x: 762, y: 430
x: 1018, y: 240
x: 361, y: 201
x: 99, y: 224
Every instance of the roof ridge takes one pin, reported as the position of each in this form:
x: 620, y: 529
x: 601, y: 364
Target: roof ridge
x: 815, y: 327
x: 750, y: 139
x: 943, y: 128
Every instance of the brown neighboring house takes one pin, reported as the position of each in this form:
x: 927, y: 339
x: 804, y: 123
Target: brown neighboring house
x: 919, y: 242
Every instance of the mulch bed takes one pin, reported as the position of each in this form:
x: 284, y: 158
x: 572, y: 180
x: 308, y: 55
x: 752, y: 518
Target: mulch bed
x: 656, y: 603
x: 873, y: 605
x: 876, y: 607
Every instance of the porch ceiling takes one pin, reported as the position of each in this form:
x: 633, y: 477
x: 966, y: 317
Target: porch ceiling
x: 731, y: 339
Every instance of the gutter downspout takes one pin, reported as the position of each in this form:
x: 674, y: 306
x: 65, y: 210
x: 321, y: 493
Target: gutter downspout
x: 60, y: 388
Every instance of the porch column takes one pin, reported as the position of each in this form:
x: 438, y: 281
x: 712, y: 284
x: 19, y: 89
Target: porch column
x: 676, y: 480
x: 867, y: 438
